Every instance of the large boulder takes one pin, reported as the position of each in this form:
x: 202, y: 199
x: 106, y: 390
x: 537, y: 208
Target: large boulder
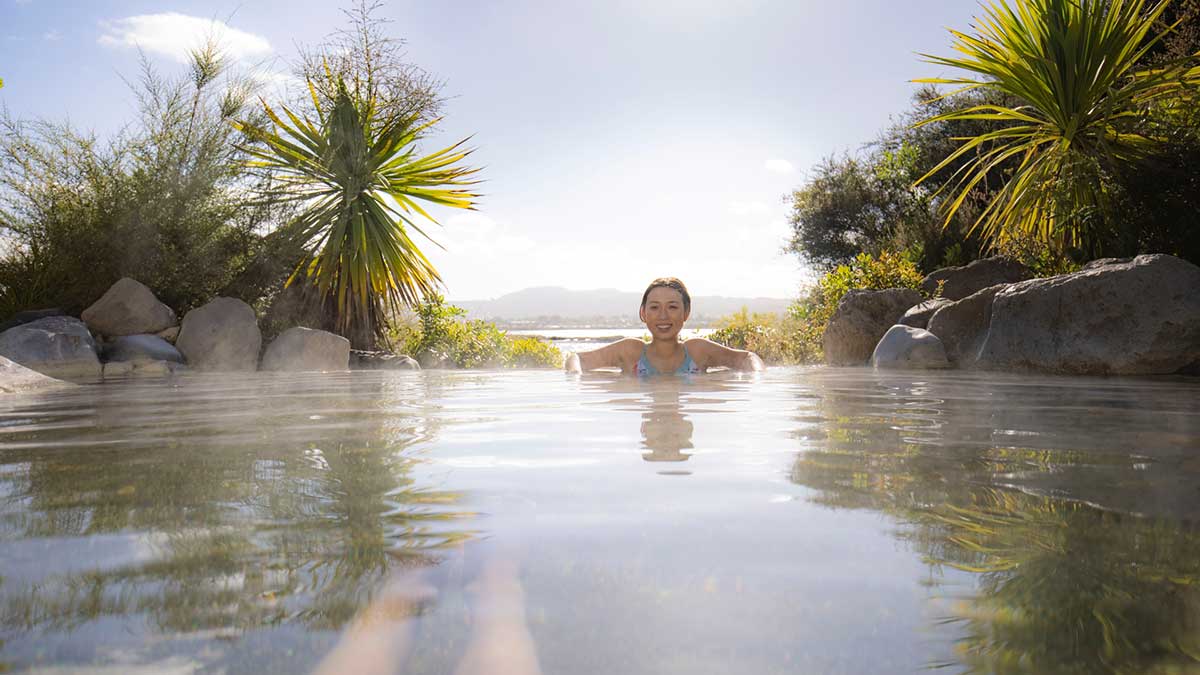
x: 860, y: 320
x: 307, y: 349
x: 222, y: 335
x: 58, y: 346
x: 1135, y: 317
x: 908, y: 347
x: 141, y: 348
x: 974, y: 277
x: 918, y: 315
x: 128, y: 308
x: 16, y: 378
x: 963, y: 326
x: 29, y: 315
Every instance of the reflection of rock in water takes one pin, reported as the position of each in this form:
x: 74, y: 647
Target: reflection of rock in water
x: 666, y: 431
x: 1062, y: 585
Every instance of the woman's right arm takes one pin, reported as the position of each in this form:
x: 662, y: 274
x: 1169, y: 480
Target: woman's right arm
x: 609, y: 356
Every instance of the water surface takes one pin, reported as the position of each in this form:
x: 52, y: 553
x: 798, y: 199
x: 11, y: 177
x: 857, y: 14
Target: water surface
x: 801, y: 520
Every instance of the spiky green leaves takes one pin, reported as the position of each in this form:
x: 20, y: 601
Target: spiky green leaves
x: 1077, y: 66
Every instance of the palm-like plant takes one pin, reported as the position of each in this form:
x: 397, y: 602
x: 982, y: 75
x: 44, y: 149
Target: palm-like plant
x: 1076, y: 65
x: 359, y: 178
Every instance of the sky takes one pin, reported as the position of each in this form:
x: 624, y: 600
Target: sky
x: 620, y: 140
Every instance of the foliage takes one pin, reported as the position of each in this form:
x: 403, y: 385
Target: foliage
x: 163, y: 201
x: 442, y: 336
x: 366, y: 57
x: 767, y: 334
x: 1076, y: 68
x: 865, y: 272
x: 357, y: 181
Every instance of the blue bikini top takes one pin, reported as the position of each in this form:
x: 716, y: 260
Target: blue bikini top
x: 687, y: 367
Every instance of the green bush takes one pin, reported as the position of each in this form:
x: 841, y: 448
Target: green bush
x: 772, y: 337
x: 441, y: 335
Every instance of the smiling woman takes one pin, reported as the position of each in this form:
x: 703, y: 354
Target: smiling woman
x: 665, y: 307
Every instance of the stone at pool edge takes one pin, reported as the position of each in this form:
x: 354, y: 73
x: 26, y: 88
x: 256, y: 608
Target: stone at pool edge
x: 222, y: 335
x: 860, y: 321
x: 363, y: 360
x: 17, y: 379
x: 919, y: 314
x: 141, y: 348
x: 128, y: 307
x: 302, y: 349
x: 58, y: 346
x: 960, y: 282
x: 1119, y: 317
x: 908, y: 347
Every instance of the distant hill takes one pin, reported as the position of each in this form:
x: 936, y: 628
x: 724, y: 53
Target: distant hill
x: 605, y: 307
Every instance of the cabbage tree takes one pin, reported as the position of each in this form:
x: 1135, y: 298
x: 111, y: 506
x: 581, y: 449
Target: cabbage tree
x: 1077, y: 66
x: 359, y: 179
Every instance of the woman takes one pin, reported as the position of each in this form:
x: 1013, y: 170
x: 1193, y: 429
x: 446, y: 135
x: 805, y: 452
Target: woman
x: 665, y: 307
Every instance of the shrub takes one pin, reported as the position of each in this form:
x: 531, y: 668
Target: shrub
x: 440, y: 334
x: 772, y: 337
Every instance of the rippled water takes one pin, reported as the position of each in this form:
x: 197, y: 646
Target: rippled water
x: 801, y: 520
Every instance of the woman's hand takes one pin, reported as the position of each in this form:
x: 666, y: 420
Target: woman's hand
x: 571, y: 365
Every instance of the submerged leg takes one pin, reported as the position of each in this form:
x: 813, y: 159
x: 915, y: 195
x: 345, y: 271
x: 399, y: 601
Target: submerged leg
x: 500, y: 642
x: 380, y: 638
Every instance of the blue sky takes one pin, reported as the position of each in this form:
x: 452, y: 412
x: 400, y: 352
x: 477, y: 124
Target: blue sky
x: 623, y: 140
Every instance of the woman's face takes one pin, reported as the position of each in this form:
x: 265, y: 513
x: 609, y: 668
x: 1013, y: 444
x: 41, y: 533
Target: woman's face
x: 664, y: 313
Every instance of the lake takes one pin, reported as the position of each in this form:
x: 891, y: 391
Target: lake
x: 801, y: 520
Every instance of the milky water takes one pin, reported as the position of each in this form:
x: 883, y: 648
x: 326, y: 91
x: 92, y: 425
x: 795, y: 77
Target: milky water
x: 796, y: 521
x: 584, y: 339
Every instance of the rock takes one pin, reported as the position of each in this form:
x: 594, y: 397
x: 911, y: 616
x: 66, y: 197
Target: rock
x: 860, y: 320
x: 361, y: 360
x: 128, y: 308
x: 16, y: 378
x: 169, y: 334
x: 908, y: 347
x: 155, y: 368
x: 974, y: 277
x: 1136, y: 317
x: 117, y: 369
x: 142, y: 348
x: 58, y: 346
x: 918, y: 315
x: 963, y: 326
x: 29, y: 315
x: 222, y: 335
x: 307, y: 349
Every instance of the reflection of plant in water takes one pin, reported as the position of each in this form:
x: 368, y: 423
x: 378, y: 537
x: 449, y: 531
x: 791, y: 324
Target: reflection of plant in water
x: 1062, y: 586
x: 1065, y: 587
x: 235, y: 524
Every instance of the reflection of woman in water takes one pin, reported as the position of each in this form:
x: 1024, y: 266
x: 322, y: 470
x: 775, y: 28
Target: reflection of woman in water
x: 666, y: 431
x: 665, y: 307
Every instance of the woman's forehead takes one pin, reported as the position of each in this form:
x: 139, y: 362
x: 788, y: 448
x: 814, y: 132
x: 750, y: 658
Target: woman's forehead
x: 664, y: 294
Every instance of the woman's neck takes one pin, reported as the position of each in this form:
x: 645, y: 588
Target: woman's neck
x: 664, y: 347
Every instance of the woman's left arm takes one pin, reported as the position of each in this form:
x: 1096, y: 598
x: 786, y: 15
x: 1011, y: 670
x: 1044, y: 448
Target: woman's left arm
x: 712, y: 354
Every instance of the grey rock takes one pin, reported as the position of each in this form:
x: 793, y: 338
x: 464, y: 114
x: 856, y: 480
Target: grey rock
x: 1137, y: 317
x: 307, y: 349
x: 860, y: 320
x: 16, y: 379
x: 974, y: 277
x: 117, y: 369
x: 29, y: 315
x: 58, y: 346
x: 963, y: 326
x: 222, y: 335
x: 918, y: 315
x: 363, y: 360
x: 142, y: 348
x: 908, y: 347
x: 169, y: 334
x: 128, y: 308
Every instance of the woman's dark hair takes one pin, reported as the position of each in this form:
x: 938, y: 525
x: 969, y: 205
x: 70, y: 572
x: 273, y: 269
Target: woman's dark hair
x: 672, y: 283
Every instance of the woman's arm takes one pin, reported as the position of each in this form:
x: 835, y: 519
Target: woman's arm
x: 710, y: 355
x: 614, y: 355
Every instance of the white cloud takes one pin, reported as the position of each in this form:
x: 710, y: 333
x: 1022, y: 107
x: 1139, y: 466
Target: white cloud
x: 779, y: 166
x: 175, y: 35
x: 52, y: 36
